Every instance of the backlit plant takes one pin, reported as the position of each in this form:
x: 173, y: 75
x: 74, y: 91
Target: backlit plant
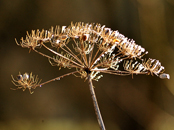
x: 89, y: 50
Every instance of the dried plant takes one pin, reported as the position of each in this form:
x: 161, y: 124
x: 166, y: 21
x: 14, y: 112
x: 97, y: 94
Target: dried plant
x: 89, y: 49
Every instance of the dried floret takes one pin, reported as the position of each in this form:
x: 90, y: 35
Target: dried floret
x: 35, y: 39
x: 61, y: 62
x: 153, y: 66
x: 134, y: 67
x: 25, y: 81
x: 128, y: 48
x: 59, y: 36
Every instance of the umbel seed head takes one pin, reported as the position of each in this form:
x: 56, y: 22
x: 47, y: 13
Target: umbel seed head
x: 89, y: 49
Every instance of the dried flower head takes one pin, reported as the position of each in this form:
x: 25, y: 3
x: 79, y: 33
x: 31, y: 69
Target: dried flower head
x: 91, y: 49
x: 25, y: 81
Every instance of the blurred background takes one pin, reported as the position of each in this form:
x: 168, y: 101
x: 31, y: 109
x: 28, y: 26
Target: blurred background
x: 141, y: 103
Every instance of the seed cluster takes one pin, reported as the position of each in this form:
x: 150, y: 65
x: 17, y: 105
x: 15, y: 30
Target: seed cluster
x: 91, y: 49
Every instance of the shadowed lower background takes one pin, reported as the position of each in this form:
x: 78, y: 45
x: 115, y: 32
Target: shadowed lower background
x: 141, y: 103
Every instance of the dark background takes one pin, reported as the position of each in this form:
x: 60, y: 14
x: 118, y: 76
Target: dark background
x: 141, y: 103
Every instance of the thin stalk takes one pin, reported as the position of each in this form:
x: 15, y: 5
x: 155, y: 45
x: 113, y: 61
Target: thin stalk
x: 84, y: 55
x: 49, y: 57
x: 90, y: 55
x: 115, y: 72
x: 96, y: 107
x: 57, y: 78
x: 61, y: 55
x: 71, y: 65
x: 74, y: 55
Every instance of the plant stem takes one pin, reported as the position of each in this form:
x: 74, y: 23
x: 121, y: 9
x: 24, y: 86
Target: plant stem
x: 96, y: 107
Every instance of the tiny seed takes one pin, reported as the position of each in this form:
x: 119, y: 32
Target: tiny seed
x: 84, y: 37
x: 19, y: 77
x: 64, y: 37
